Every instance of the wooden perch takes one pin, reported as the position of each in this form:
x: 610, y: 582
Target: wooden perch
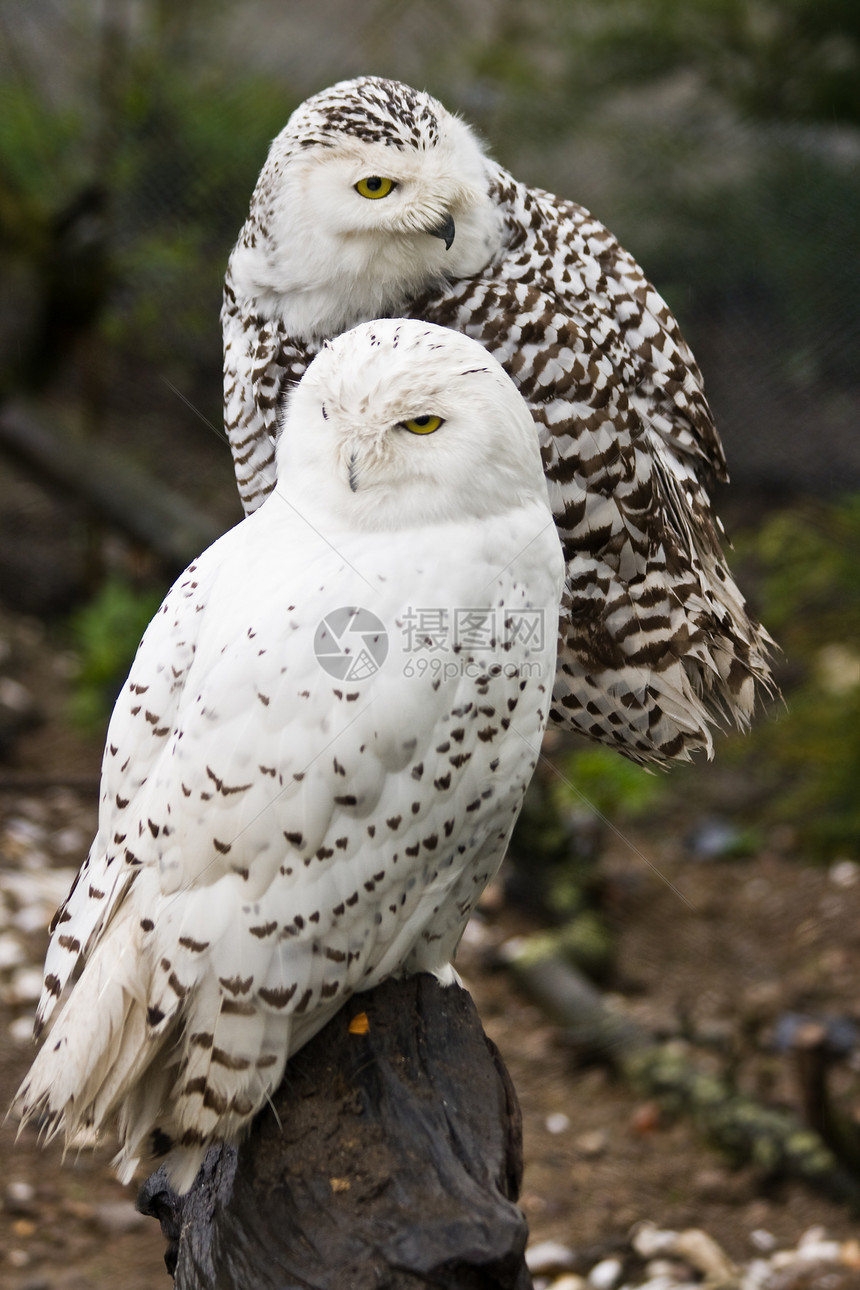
x: 391, y: 1157
x: 814, y: 1054
x: 124, y: 495
x: 774, y: 1140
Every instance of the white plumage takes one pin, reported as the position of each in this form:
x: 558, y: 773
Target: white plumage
x: 273, y: 837
x: 376, y: 200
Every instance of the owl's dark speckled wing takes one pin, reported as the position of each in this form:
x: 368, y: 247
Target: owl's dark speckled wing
x: 656, y: 644
x: 655, y: 640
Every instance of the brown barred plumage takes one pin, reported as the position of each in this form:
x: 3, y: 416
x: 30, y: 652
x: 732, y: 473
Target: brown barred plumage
x: 656, y: 644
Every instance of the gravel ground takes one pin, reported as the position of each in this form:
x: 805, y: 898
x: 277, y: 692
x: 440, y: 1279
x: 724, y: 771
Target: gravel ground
x: 617, y: 1193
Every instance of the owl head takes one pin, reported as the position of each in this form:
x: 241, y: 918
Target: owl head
x: 372, y: 193
x: 399, y: 423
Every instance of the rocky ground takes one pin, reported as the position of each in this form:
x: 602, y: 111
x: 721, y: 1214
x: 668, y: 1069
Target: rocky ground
x: 714, y: 954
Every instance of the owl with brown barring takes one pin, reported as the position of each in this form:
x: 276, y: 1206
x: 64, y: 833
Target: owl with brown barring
x: 375, y: 200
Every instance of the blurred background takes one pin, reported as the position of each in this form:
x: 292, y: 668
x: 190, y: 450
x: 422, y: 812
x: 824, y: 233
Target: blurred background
x: 720, y: 141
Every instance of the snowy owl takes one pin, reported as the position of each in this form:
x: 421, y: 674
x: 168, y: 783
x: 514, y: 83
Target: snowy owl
x: 316, y: 762
x: 375, y: 200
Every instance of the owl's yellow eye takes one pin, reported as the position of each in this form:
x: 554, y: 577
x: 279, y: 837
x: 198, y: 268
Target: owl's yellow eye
x: 375, y: 186
x: 422, y: 425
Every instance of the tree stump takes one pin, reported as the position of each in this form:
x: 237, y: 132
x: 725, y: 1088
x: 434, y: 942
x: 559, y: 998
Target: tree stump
x: 389, y: 1160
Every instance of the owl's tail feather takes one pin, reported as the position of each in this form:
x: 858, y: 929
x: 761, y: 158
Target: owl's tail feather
x: 98, y: 1048
x: 170, y: 1071
x: 231, y: 1063
x: 228, y: 1061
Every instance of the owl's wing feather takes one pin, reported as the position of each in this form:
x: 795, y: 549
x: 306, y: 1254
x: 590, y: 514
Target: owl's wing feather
x: 656, y: 641
x: 260, y: 363
x: 143, y: 719
x: 581, y: 265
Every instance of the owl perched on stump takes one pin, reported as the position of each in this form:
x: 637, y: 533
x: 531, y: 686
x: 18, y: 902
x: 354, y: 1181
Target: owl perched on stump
x: 315, y: 765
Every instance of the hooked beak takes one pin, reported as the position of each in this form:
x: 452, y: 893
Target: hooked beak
x: 353, y: 473
x: 445, y: 230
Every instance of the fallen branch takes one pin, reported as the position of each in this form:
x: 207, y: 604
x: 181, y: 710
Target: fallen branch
x: 773, y: 1140
x: 132, y: 501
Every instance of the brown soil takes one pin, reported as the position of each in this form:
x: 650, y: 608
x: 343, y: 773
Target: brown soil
x: 712, y: 953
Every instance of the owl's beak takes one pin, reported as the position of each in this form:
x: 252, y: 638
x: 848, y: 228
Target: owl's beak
x: 353, y: 472
x: 445, y: 230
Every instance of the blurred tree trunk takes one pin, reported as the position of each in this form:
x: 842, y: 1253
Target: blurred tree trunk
x: 118, y: 492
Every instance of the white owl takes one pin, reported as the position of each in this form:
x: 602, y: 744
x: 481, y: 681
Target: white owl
x: 376, y: 200
x: 318, y: 757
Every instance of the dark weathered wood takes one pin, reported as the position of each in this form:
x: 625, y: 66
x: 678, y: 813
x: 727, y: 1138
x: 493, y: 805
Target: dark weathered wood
x: 390, y: 1160
x: 815, y: 1052
x: 127, y: 497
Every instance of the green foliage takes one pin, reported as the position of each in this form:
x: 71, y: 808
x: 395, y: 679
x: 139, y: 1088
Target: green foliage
x: 770, y: 60
x: 710, y: 126
x: 600, y: 781
x: 810, y: 753
x: 811, y: 574
x: 789, y: 59
x: 558, y: 840
x: 758, y: 244
x: 176, y: 135
x: 584, y: 940
x: 186, y: 164
x: 41, y: 154
x: 105, y: 634
x: 587, y: 941
x: 174, y: 143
